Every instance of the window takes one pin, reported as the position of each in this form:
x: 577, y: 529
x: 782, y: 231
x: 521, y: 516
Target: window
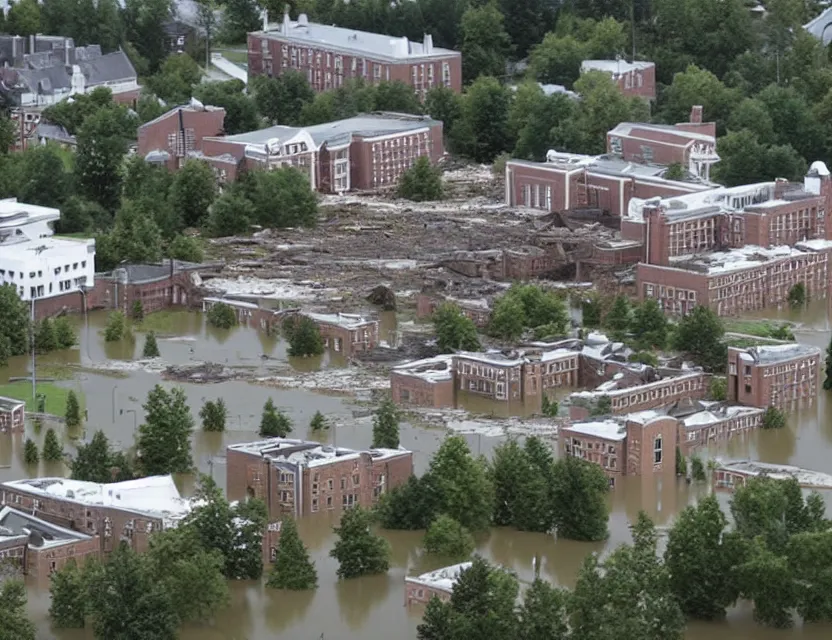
x: 287, y: 477
x: 446, y: 74
x: 83, y: 264
x: 329, y: 502
x: 40, y: 274
x: 314, y: 505
x: 343, y: 483
x: 348, y: 500
x: 284, y: 496
x: 748, y: 388
x: 657, y: 450
x: 74, y: 266
x: 330, y: 484
x: 356, y: 480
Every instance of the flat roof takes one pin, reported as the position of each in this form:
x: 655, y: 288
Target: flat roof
x: 330, y: 36
x: 494, y: 358
x: 616, y: 66
x: 805, y: 477
x: 42, y: 247
x: 626, y: 129
x: 606, y: 429
x: 344, y: 320
x: 154, y: 496
x: 436, y: 369
x: 443, y: 579
x: 635, y: 388
x: 15, y: 524
x: 769, y: 354
x: 309, y: 454
x: 367, y: 125
x: 749, y: 256
x: 10, y: 404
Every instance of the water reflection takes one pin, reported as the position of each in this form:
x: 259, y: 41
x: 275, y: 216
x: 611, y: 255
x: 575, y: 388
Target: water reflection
x: 357, y: 598
x: 285, y: 608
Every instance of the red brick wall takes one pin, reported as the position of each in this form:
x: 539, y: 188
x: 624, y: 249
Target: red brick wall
x: 41, y: 563
x: 640, y: 446
x: 154, y: 135
x: 420, y: 393
x: 610, y: 455
x: 421, y: 594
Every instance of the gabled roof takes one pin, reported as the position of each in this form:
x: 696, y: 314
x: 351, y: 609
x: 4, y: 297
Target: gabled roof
x: 111, y: 67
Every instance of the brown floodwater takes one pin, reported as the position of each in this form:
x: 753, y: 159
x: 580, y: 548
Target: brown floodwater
x: 373, y: 608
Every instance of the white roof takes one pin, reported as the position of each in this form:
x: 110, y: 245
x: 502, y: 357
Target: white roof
x: 626, y: 129
x: 556, y: 354
x: 14, y: 213
x: 745, y: 257
x: 344, y: 320
x: 494, y: 358
x: 606, y: 429
x: 43, y: 248
x: 374, y: 44
x: 767, y: 354
x: 309, y: 454
x: 635, y: 389
x: 817, y: 244
x: 436, y: 369
x: 805, y: 477
x: 616, y: 66
x: 443, y: 579
x: 155, y: 496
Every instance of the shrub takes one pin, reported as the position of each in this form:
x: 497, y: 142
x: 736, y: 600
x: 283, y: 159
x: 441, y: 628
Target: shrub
x: 773, y: 418
x: 447, y: 537
x: 304, y: 336
x: 222, y: 316
x: 30, y: 452
x: 116, y: 327
x: 421, y: 182
x: 64, y: 333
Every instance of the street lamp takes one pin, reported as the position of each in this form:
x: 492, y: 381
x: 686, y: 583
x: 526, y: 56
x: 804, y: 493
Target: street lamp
x: 115, y: 386
x: 133, y: 411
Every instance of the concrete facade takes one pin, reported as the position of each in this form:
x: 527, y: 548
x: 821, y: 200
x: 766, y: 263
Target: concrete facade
x: 329, y: 56
x: 780, y: 376
x: 299, y: 478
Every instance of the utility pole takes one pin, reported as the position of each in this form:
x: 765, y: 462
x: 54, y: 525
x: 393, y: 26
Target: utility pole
x: 32, y: 329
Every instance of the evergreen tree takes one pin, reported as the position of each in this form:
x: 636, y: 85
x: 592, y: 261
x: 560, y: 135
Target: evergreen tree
x: 151, y: 348
x: 700, y: 334
x: 292, y: 567
x: 318, y: 422
x: 797, y: 295
x: 73, y: 410
x: 447, y: 537
x: 591, y: 312
x: 92, y: 461
x: 67, y: 588
x: 421, y: 182
x: 304, y: 337
x: 650, y: 325
x: 700, y: 558
x: 137, y: 312
x: 454, y: 330
x: 697, y: 469
x: 14, y: 323
x: 548, y: 407
x: 30, y: 452
x: 274, y: 423
x: 193, y: 190
x: 213, y: 415
x: 618, y: 320
x: 544, y: 613
x: 45, y: 338
x: 116, y: 327
x: 52, y: 449
x: 358, y: 551
x: 14, y: 623
x: 774, y: 418
x: 64, y: 333
x: 409, y: 506
x: 579, y: 497
x: 461, y: 485
x: 386, y: 426
x: 222, y: 316
x: 523, y: 481
x: 164, y: 439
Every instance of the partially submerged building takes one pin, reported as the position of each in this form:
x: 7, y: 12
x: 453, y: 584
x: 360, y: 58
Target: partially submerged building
x: 774, y: 375
x: 440, y: 583
x: 112, y: 513
x: 12, y: 415
x: 329, y: 56
x: 298, y: 478
x: 731, y: 475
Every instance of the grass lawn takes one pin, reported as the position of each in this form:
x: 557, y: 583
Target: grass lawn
x: 762, y: 328
x: 55, y: 396
x: 234, y: 55
x: 160, y: 322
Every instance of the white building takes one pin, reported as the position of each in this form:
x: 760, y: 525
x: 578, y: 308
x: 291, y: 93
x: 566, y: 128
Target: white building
x: 33, y: 260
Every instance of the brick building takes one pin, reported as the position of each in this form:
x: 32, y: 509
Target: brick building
x: 368, y: 151
x: 124, y: 511
x: 633, y: 79
x: 329, y: 56
x: 637, y: 160
x: 478, y: 311
x: 346, y: 333
x: 12, y: 415
x: 440, y: 583
x: 731, y: 475
x: 718, y: 423
x: 299, y: 478
x: 39, y: 547
x: 177, y: 135
x: 424, y: 383
x: 779, y: 376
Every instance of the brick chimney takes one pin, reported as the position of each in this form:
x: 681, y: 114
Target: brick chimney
x: 780, y: 185
x: 696, y: 114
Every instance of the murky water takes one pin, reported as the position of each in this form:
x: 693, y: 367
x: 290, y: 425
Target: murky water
x: 373, y: 608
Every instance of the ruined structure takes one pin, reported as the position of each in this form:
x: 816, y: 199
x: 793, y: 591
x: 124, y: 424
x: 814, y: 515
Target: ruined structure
x: 12, y: 415
x: 731, y: 475
x: 297, y: 478
x: 774, y: 375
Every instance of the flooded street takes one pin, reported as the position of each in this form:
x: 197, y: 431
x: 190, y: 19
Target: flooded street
x: 369, y: 608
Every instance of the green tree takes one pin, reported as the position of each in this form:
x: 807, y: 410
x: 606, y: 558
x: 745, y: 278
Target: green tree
x: 135, y: 238
x: 40, y: 176
x: 45, y: 339
x: 14, y: 323
x: 15, y: 624
x: 92, y: 461
x: 68, y: 591
x: 73, y: 410
x: 681, y: 463
x: 557, y: 59
x: 409, y: 506
x: 443, y: 104
x: 700, y: 557
x: 719, y: 389
x: 239, y: 18
x: 30, y: 452
x: 579, y: 494
x: 283, y: 198
x: 549, y: 408
x: 523, y: 482
x: 447, y: 537
x: 151, y: 348
x: 462, y: 488
x: 797, y: 295
x: 358, y: 551
x: 101, y: 147
x: 292, y: 567
x: 52, y: 449
x: 280, y: 100
x: 24, y: 18
x: 386, y: 426
x: 533, y: 117
x: 229, y: 215
x: 304, y: 336
x: 697, y: 86
x: 675, y: 171
x: 421, y: 182
x: 395, y: 96
x: 481, y: 131
x: 213, y: 415
x: 318, y: 422
x: 591, y: 312
x: 697, y: 469
x: 508, y: 318
x: 774, y: 418
x: 485, y: 44
x: 116, y: 327
x: 126, y: 600
x: 240, y: 109
x: 544, y: 613
x: 619, y: 319
x: 765, y: 578
x: 454, y: 330
x: 649, y: 324
x: 222, y: 316
x: 164, y: 443
x: 700, y: 334
x: 185, y: 248
x: 64, y: 333
x: 274, y: 423
x: 144, y: 21
x: 193, y: 191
